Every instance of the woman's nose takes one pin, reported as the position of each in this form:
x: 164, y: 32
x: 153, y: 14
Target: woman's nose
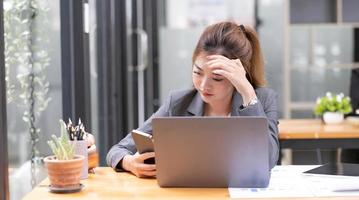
x: 205, y: 84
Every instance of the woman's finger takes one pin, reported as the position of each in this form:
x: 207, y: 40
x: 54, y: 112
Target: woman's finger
x: 146, y: 167
x: 223, y: 62
x: 148, y: 173
x: 223, y: 58
x: 145, y: 156
x: 222, y: 73
x: 239, y: 62
x: 211, y: 57
x: 235, y: 70
x: 223, y: 66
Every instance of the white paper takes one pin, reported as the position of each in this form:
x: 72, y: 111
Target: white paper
x: 289, y: 181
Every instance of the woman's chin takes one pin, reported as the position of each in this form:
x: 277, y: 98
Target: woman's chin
x: 207, y: 98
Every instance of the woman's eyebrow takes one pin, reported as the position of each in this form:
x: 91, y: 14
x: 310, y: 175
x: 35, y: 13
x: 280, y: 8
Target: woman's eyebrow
x: 197, y: 66
x: 216, y: 74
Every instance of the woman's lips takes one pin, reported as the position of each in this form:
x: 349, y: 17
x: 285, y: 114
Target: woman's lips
x: 207, y: 94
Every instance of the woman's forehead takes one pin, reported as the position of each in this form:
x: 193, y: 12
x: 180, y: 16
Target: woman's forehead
x: 201, y: 60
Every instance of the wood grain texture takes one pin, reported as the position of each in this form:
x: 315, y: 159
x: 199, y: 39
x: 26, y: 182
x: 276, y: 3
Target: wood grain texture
x: 107, y: 184
x: 315, y: 129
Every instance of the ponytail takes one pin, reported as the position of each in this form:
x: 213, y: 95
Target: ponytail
x: 256, y: 69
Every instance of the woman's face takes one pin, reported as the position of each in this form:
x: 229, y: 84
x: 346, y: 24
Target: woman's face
x: 212, y: 87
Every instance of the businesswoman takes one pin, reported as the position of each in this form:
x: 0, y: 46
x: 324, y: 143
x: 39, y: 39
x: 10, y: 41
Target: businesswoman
x: 228, y: 79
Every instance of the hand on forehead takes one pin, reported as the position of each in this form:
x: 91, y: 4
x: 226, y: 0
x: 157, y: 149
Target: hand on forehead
x: 203, y: 61
x: 202, y: 66
x: 211, y: 63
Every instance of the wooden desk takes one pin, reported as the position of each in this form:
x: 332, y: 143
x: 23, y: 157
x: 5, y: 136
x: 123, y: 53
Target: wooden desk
x: 315, y: 129
x: 107, y: 184
x: 312, y: 134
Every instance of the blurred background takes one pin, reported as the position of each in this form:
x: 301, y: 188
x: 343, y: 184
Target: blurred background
x: 112, y: 63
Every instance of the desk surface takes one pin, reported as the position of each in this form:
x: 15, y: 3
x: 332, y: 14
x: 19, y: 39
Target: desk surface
x: 107, y: 184
x: 315, y: 129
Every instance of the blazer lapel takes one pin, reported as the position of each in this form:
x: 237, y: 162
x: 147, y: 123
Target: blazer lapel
x: 237, y: 101
x: 196, y: 106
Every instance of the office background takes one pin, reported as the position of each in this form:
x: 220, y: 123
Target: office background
x: 113, y: 62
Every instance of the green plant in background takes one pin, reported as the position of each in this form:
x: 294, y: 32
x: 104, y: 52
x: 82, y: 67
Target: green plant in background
x: 61, y: 146
x: 26, y: 58
x: 330, y: 103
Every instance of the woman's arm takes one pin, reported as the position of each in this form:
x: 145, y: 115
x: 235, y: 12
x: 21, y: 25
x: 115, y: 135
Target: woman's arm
x: 267, y: 107
x: 126, y: 147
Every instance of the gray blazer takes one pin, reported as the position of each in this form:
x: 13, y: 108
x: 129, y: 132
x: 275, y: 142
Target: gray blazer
x: 189, y: 103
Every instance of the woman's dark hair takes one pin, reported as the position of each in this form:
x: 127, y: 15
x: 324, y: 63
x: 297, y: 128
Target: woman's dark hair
x: 234, y: 42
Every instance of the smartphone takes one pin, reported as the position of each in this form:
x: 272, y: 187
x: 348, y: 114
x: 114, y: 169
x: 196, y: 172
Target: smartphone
x: 144, y: 144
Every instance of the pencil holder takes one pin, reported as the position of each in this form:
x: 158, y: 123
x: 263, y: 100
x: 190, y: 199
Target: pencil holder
x: 81, y: 149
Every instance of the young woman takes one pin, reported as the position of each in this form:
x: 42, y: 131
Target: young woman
x: 228, y: 79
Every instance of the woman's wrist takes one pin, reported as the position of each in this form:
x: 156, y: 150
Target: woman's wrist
x: 247, y: 93
x: 126, y: 163
x: 247, y: 99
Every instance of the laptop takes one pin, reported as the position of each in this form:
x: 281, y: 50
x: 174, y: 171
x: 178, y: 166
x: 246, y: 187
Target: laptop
x: 211, y: 151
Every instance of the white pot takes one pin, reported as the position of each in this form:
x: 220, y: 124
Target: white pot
x: 333, y: 117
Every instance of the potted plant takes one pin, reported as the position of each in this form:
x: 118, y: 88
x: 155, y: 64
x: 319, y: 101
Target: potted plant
x: 332, y: 108
x: 64, y: 168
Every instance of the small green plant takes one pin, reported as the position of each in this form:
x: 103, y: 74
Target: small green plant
x: 61, y: 146
x: 330, y: 103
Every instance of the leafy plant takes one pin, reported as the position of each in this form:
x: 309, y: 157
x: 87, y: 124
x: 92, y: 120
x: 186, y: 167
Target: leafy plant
x: 330, y: 103
x: 61, y: 146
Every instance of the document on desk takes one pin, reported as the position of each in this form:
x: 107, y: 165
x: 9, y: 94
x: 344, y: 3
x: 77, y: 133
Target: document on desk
x: 289, y: 181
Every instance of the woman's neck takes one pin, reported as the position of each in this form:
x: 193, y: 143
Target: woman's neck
x: 218, y: 108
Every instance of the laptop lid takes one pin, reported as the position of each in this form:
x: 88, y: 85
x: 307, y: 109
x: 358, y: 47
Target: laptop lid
x: 211, y: 151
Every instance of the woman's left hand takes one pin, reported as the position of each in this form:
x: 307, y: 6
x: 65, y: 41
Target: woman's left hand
x: 234, y: 71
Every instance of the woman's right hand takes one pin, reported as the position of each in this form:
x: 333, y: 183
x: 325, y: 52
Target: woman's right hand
x: 135, y: 164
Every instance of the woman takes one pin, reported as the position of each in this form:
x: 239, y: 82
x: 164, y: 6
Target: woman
x: 228, y: 79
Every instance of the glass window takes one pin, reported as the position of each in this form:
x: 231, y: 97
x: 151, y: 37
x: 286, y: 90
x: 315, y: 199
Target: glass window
x: 299, y: 39
x: 34, y: 93
x: 271, y: 37
x: 320, y: 62
x: 333, y: 48
x: 309, y: 83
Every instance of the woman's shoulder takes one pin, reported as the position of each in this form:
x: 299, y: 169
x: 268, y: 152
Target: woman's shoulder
x: 263, y: 93
x: 176, y: 96
x: 178, y: 101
